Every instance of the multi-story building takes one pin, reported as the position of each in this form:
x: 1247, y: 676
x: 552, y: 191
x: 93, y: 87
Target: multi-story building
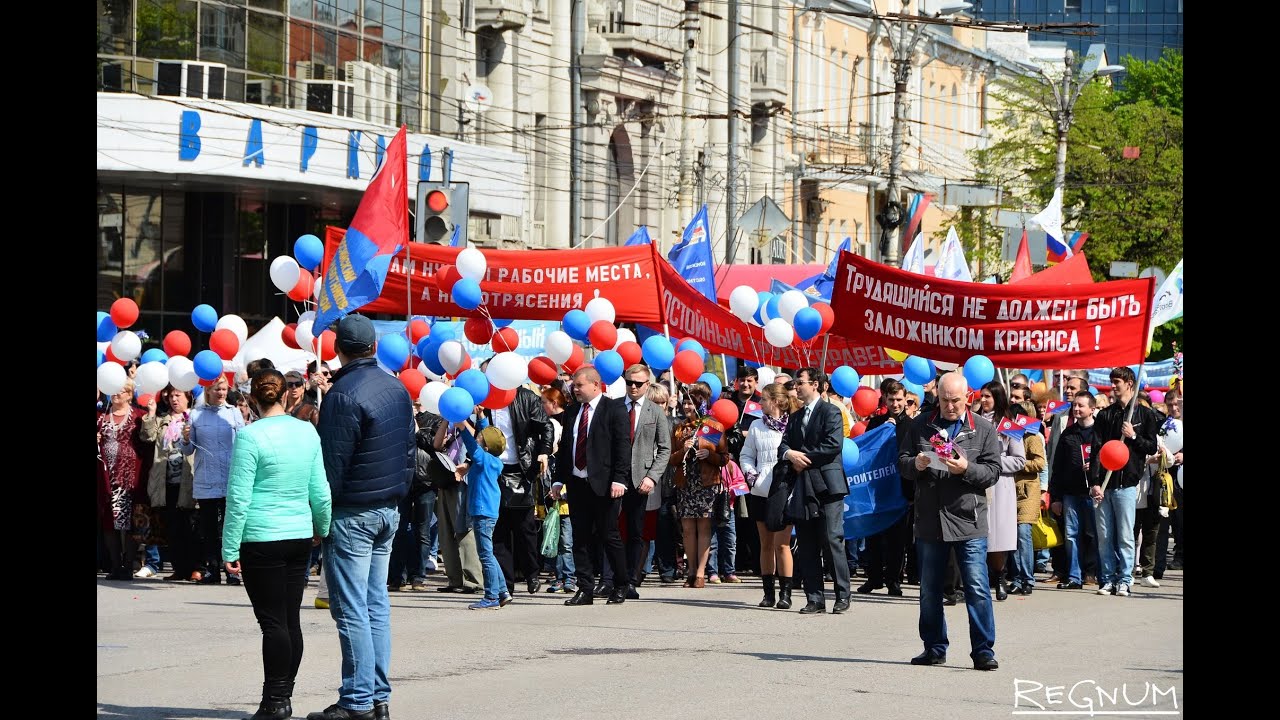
x: 1141, y: 28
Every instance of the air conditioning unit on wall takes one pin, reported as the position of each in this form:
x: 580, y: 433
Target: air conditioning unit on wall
x: 190, y: 79
x: 331, y: 97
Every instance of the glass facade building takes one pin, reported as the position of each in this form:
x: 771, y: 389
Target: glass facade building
x: 1141, y: 28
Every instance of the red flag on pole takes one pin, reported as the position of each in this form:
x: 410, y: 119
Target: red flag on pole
x: 1022, y: 265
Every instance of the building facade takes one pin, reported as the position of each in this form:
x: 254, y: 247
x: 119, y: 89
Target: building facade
x: 1141, y: 28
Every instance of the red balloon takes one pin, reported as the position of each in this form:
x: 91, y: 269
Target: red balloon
x: 542, y: 370
x: 687, y: 366
x: 231, y: 379
x: 575, y: 359
x: 112, y: 358
x: 446, y: 276
x: 124, y: 312
x: 828, y: 316
x: 466, y: 364
x: 206, y: 383
x: 631, y: 353
x: 1114, y: 454
x: 478, y: 330
x: 177, y: 343
x: 499, y: 399
x: 413, y: 381
x: 418, y: 329
x: 225, y: 343
x: 857, y: 429
x: 146, y: 399
x: 864, y: 401
x: 289, y: 336
x: 725, y: 411
x: 505, y: 340
x: 302, y: 290
x: 603, y: 335
x: 328, y: 348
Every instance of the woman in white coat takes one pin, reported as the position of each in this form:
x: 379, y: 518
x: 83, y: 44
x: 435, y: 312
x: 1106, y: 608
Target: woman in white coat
x: 1002, y: 498
x: 759, y: 455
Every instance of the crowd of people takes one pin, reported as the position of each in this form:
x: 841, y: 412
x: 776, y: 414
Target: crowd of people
x: 344, y: 475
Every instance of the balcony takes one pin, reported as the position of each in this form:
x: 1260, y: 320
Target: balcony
x: 503, y: 14
x: 645, y: 28
x: 768, y: 78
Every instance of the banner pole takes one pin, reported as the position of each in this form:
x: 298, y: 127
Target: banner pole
x: 825, y: 340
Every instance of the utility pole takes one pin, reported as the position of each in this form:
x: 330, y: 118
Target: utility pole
x: 731, y: 202
x: 689, y: 66
x: 577, y: 39
x: 797, y: 167
x: 1065, y: 102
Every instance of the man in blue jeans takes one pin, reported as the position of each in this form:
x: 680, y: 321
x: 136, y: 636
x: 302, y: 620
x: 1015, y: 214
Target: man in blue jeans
x: 951, y: 516
x: 367, y: 437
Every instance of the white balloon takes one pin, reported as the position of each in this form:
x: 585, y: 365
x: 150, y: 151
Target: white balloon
x: 744, y: 301
x: 319, y: 288
x: 451, y: 356
x: 235, y: 324
x: 182, y: 373
x: 302, y: 335
x: 308, y: 316
x: 508, y: 370
x: 284, y: 273
x: 472, y: 264
x: 601, y: 309
x: 624, y: 335
x: 429, y: 398
x: 559, y: 347
x: 779, y: 333
x: 765, y: 376
x: 617, y: 389
x: 151, y: 377
x: 111, y: 377
x: 1172, y: 439
x: 422, y: 368
x: 791, y: 302
x: 126, y: 345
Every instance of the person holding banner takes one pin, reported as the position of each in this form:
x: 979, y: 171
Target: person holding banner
x: 759, y: 456
x: 698, y: 451
x: 952, y: 457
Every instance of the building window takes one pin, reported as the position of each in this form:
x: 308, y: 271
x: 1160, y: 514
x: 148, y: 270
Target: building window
x: 167, y: 29
x: 1072, y: 5
x: 1136, y: 6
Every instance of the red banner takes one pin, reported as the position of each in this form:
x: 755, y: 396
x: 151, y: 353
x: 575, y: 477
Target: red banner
x: 1068, y: 326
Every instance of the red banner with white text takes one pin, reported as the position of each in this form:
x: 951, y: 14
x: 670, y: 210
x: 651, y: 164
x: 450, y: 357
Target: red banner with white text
x: 1067, y: 326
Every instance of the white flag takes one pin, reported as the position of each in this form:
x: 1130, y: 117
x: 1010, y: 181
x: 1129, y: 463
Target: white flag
x: 1050, y: 218
x: 1167, y: 304
x: 913, y: 261
x: 953, y: 266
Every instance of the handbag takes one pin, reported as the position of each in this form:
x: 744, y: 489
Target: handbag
x: 517, y: 491
x: 551, y: 532
x: 1045, y: 533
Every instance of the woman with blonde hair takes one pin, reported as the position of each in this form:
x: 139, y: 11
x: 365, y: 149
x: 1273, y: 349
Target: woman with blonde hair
x: 697, y: 461
x: 119, y: 466
x: 759, y: 455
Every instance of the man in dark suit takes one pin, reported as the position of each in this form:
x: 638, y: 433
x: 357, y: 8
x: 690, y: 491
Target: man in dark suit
x: 594, y: 463
x: 811, y: 445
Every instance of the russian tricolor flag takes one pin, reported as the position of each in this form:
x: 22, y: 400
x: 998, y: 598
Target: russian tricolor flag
x: 1057, y: 251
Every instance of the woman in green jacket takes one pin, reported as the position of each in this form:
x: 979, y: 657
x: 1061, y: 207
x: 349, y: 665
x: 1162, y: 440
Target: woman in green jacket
x: 278, y: 505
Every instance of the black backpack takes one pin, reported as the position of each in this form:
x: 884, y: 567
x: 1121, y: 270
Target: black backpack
x: 431, y: 472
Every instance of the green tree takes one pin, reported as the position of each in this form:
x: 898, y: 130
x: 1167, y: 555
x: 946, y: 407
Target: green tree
x: 1158, y: 81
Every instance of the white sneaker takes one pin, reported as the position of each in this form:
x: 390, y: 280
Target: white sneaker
x: 145, y: 572
x: 1150, y: 582
x: 1122, y: 590
x: 1107, y: 589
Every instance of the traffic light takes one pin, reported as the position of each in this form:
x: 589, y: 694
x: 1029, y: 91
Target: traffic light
x: 442, y: 208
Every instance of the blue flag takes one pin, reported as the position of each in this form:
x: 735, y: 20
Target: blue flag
x: 875, y: 500
x: 456, y: 240
x: 639, y: 237
x: 691, y: 257
x: 823, y: 283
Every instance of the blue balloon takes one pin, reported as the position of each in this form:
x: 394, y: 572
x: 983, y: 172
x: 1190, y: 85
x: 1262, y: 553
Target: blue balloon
x: 502, y: 323
x: 466, y: 293
x: 716, y: 386
x: 610, y: 366
x: 844, y: 380
x: 773, y: 306
x: 393, y: 350
x: 443, y: 335
x: 197, y: 391
x: 154, y: 355
x: 205, y: 318
x: 431, y: 355
x: 917, y: 369
x: 102, y: 357
x: 208, y: 364
x: 475, y: 383
x: 849, y: 455
x: 913, y: 388
x: 422, y: 349
x: 979, y: 371
x: 308, y: 251
x: 694, y: 345
x: 808, y: 323
x: 106, y: 327
x: 658, y: 353
x: 576, y: 324
x: 764, y: 297
x: 456, y: 405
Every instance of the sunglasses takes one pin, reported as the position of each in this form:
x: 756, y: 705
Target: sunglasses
x: 294, y: 383
x: 1017, y: 386
x: 637, y: 383
x: 912, y: 403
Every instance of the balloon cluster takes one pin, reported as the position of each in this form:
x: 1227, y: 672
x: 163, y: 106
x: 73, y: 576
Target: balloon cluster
x: 785, y: 317
x: 295, y: 276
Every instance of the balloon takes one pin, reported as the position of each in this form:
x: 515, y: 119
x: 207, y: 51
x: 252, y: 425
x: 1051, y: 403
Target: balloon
x: 743, y: 301
x: 761, y: 315
x: 913, y: 388
x: 471, y: 263
x: 865, y: 401
x: 687, y: 366
x: 303, y: 289
x: 475, y: 383
x: 101, y: 357
x: 413, y: 381
x: 771, y: 308
x: 110, y: 357
x: 456, y: 404
x: 543, y: 370
x: 849, y: 454
x: 694, y: 345
x: 603, y: 335
x: 625, y: 335
x: 151, y: 377
x: 182, y: 373
x: 284, y: 273
x: 154, y: 355
x: 559, y: 346
x: 1157, y: 396
x: 205, y: 318
x: 106, y: 328
x: 466, y: 293
x: 225, y: 343
x: 309, y: 251
x: 499, y: 398
x: 712, y: 381
x: 724, y: 411
x: 145, y: 399
x: 177, y: 343
x: 444, y: 334
x: 418, y: 329
x: 446, y: 276
x: 431, y: 357
x: 917, y: 370
x: 790, y: 303
x: 575, y: 360
x: 779, y: 333
x: 844, y: 380
x: 124, y: 312
x: 978, y: 370
x: 1114, y: 455
x: 858, y: 428
x: 208, y: 365
x: 289, y: 336
x: 609, y: 365
x: 429, y: 396
x: 828, y: 316
x: 235, y: 324
x: 765, y: 376
x: 577, y: 323
x: 505, y: 340
x: 111, y: 378
x: 630, y: 352
x: 393, y: 350
x: 508, y: 370
x: 895, y: 354
x: 1172, y: 437
x: 328, y: 345
x: 500, y: 323
x: 601, y: 309
x: 478, y: 330
x: 126, y: 345
x: 808, y: 323
x: 451, y: 354
x: 657, y: 353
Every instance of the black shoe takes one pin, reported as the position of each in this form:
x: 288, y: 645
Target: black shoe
x: 813, y: 608
x: 275, y: 702
x: 449, y: 589
x: 469, y: 590
x: 533, y: 584
x: 582, y: 597
x: 631, y: 593
x: 894, y: 590
x: 840, y: 606
x: 770, y: 599
x: 337, y: 712
x: 600, y: 590
x: 784, y: 593
x: 667, y: 579
x: 382, y: 711
x: 1071, y: 585
x: 1026, y: 589
x: 617, y: 597
x: 929, y: 657
x: 948, y: 599
x: 985, y: 662
x: 866, y: 587
x: 211, y: 579
x: 1002, y: 591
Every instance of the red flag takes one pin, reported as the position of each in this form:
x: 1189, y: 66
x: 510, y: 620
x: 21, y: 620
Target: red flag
x: 1022, y: 266
x: 1008, y: 427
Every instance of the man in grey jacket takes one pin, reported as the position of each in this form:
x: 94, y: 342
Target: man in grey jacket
x: 951, y: 515
x: 650, y: 451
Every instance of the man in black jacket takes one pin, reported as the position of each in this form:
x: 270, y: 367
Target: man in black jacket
x: 886, y: 551
x: 1069, y: 489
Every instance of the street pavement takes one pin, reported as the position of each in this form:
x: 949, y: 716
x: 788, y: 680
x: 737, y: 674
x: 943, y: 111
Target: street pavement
x: 180, y: 651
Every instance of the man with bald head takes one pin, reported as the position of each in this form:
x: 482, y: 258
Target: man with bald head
x: 951, y: 516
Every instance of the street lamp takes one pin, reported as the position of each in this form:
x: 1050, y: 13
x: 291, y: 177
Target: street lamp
x: 892, y: 215
x: 1065, y: 98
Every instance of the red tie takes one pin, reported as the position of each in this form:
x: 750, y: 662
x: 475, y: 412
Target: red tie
x: 580, y: 444
x: 633, y: 420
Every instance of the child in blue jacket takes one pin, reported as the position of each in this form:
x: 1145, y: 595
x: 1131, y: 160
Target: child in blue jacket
x: 484, y: 499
